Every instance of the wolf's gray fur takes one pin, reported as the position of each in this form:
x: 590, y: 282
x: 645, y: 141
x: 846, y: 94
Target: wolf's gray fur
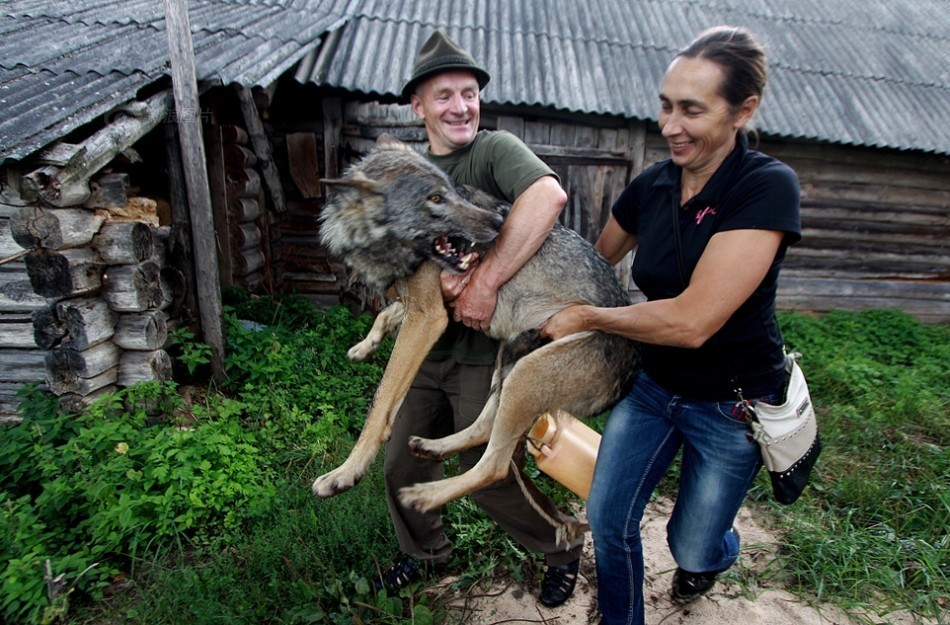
x: 384, y: 220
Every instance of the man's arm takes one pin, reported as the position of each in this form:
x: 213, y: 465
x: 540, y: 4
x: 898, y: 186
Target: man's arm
x: 532, y: 215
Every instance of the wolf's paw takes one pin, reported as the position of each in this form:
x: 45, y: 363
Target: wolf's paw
x: 418, y: 497
x: 334, y: 483
x: 362, y: 350
x: 422, y: 448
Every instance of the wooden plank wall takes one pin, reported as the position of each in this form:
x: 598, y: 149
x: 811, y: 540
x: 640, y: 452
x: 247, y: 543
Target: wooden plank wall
x: 876, y: 222
x: 876, y: 231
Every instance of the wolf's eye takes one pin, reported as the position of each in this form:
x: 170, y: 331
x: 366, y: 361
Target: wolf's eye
x: 435, y: 198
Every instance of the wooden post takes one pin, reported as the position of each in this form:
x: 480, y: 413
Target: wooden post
x: 185, y: 87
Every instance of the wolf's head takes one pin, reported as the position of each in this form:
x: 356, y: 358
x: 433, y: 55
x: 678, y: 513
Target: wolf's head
x: 393, y: 210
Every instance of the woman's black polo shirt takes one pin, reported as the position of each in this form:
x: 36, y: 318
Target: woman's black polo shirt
x: 749, y: 190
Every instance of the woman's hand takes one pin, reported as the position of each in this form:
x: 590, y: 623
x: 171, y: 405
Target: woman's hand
x: 571, y: 320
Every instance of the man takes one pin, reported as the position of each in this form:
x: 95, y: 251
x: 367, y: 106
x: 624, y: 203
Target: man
x: 453, y: 383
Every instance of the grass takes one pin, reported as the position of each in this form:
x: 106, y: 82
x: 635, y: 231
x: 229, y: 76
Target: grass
x: 870, y: 532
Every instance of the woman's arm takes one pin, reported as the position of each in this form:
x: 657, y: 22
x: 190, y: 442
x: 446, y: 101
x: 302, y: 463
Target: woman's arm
x: 614, y: 242
x: 734, y: 263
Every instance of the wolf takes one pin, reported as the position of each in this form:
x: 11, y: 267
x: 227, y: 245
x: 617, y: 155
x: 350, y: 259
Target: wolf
x: 398, y: 221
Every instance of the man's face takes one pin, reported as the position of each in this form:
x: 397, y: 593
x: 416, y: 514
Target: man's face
x: 448, y: 104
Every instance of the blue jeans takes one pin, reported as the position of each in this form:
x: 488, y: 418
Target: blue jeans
x: 643, y: 434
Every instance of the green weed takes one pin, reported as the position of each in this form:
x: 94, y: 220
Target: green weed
x: 162, y: 504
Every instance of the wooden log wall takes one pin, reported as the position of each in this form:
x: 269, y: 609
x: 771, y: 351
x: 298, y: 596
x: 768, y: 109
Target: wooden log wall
x: 306, y: 150
x: 82, y: 295
x: 244, y: 219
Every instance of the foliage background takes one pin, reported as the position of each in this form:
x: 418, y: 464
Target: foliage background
x: 171, y: 503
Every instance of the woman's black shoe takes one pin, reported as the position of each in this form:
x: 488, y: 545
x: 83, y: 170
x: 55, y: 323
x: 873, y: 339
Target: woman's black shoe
x: 558, y: 583
x: 688, y: 586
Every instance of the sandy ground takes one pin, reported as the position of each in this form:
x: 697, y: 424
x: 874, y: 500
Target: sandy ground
x: 726, y: 604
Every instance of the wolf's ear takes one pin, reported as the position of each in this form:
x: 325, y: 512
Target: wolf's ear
x: 356, y: 182
x: 389, y: 141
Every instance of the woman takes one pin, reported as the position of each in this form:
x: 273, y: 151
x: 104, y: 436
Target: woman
x: 711, y: 226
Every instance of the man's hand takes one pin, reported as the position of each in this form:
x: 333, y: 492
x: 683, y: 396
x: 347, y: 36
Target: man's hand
x: 475, y: 304
x: 454, y: 283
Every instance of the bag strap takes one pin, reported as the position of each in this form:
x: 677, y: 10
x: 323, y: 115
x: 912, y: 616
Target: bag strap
x: 677, y: 241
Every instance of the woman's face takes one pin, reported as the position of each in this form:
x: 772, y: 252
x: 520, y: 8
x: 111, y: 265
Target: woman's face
x: 696, y: 121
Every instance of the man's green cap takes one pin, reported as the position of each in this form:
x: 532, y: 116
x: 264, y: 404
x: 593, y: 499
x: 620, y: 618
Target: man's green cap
x: 441, y: 54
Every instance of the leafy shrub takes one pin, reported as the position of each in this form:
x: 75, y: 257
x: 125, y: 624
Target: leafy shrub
x: 113, y: 483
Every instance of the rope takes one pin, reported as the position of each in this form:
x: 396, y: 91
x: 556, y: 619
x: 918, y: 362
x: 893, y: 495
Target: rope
x: 563, y: 532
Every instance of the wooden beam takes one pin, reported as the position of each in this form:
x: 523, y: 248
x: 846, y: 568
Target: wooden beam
x: 185, y: 87
x: 69, y: 185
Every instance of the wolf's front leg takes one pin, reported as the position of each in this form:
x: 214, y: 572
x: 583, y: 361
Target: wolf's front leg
x: 425, y: 321
x: 387, y: 321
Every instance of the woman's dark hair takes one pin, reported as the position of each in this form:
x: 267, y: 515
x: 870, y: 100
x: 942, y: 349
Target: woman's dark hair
x: 741, y: 57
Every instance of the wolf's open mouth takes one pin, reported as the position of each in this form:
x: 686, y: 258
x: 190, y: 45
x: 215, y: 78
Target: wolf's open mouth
x: 455, y: 252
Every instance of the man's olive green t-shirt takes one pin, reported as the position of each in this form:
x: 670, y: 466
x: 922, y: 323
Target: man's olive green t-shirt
x: 499, y: 163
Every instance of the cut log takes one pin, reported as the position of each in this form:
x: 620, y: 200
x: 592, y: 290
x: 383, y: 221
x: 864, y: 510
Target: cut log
x: 75, y: 403
x: 248, y: 262
x: 237, y: 156
x: 85, y: 386
x: 247, y: 236
x: 124, y: 243
x: 133, y: 288
x: 47, y: 328
x: 54, y: 228
x: 23, y: 365
x: 244, y: 209
x: 17, y: 335
x: 144, y: 367
x: 64, y: 273
x: 136, y: 209
x: 243, y: 183
x: 16, y: 292
x: 174, y: 288
x: 109, y: 190
x: 76, y: 324
x: 233, y: 134
x: 75, y: 371
x: 147, y: 331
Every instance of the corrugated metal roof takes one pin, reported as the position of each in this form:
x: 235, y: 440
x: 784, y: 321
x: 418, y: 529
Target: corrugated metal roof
x: 64, y: 64
x: 874, y: 73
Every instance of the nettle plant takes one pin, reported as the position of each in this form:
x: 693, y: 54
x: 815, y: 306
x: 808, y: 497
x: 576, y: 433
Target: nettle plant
x: 84, y: 495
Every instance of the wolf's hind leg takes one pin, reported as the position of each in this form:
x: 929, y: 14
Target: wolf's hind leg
x: 475, y: 434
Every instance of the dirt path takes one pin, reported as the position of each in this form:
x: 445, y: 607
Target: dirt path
x: 727, y: 604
